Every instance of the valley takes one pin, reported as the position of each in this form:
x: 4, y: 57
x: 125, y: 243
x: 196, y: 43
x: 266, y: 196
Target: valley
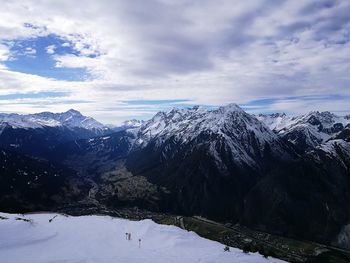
x: 266, y: 189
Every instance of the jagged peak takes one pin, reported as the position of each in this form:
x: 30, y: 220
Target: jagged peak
x: 73, y: 112
x: 71, y: 118
x: 321, y: 114
x: 191, y: 121
x: 176, y: 110
x: 274, y: 115
x: 159, y: 114
x: 133, y: 122
x: 231, y: 107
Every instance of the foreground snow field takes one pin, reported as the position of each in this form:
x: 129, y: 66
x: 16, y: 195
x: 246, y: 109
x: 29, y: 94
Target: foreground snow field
x: 102, y: 239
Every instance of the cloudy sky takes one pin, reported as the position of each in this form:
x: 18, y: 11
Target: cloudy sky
x: 116, y: 60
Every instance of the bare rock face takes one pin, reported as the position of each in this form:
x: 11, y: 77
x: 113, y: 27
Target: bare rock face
x: 307, y: 198
x: 28, y: 184
x: 343, y: 239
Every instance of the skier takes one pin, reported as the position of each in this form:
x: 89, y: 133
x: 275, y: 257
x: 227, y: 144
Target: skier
x: 139, y: 242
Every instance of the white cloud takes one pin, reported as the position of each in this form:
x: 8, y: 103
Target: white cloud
x: 30, y: 51
x: 209, y: 52
x: 4, y: 53
x: 50, y: 49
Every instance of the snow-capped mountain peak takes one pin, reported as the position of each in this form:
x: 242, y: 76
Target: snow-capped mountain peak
x: 71, y: 119
x: 275, y: 121
x: 230, y: 108
x: 133, y: 123
x: 192, y: 121
x: 73, y: 112
x: 126, y: 125
x: 308, y: 130
x: 230, y: 125
x: 281, y: 122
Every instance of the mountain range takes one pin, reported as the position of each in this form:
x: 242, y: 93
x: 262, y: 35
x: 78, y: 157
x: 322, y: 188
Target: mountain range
x: 37, y: 134
x: 306, y: 131
x: 280, y: 174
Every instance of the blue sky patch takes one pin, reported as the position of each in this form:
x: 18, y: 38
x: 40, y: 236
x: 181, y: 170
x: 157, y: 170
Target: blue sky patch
x: 262, y: 105
x: 39, y: 95
x: 31, y: 56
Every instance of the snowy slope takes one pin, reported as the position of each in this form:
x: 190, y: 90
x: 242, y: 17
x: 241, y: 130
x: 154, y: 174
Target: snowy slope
x: 336, y: 150
x: 275, y: 121
x: 102, y: 239
x: 331, y: 146
x: 187, y: 123
x: 243, y: 134
x: 308, y: 130
x: 281, y: 122
x: 70, y: 119
x: 132, y: 123
x: 125, y: 125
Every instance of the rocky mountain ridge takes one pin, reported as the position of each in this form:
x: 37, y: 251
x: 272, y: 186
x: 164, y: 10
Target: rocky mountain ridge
x: 306, y: 131
x: 223, y: 164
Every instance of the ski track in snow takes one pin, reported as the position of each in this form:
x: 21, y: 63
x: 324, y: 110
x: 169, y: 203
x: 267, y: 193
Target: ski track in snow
x: 102, y: 239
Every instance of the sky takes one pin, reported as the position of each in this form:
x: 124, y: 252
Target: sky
x: 117, y: 60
